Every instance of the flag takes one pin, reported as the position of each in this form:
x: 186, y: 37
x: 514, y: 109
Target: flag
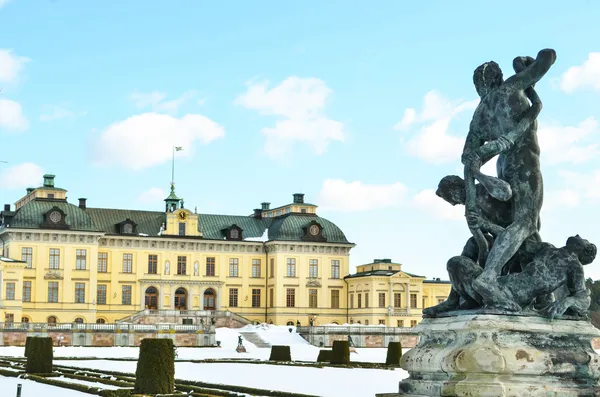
x: 178, y: 148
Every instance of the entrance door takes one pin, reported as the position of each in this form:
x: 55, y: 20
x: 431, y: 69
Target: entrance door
x: 151, y: 301
x: 209, y: 299
x: 180, y: 299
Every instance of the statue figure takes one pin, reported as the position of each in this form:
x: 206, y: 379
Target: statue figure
x: 550, y: 269
x: 240, y: 341
x: 195, y: 268
x: 167, y: 267
x: 506, y: 121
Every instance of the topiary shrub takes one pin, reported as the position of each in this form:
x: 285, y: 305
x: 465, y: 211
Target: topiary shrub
x: 324, y: 356
x: 27, y: 344
x: 39, y: 356
x: 155, y: 372
x: 394, y: 353
x: 340, y: 353
x: 280, y: 353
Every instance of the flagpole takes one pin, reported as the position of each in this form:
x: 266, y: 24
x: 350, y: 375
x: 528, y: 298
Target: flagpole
x: 173, y: 168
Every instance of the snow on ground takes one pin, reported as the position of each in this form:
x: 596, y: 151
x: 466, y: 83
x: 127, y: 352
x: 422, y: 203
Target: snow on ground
x: 8, y: 387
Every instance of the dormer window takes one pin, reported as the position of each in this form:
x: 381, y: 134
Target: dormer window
x: 313, y: 232
x: 55, y: 218
x: 234, y: 232
x: 50, y: 195
x: 127, y: 227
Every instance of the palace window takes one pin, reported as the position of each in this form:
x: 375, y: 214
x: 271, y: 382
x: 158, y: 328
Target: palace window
x: 26, y: 291
x: 181, y: 265
x: 413, y: 323
x: 256, y: 268
x: 272, y: 271
x: 400, y: 323
x: 10, y: 291
x: 256, y: 297
x: 52, y: 320
x: 181, y: 229
x: 101, y: 294
x: 80, y: 259
x: 79, y: 292
x: 54, y: 258
x: 79, y: 320
x: 382, y: 299
x: 335, y: 268
x: 100, y: 321
x: 102, y: 262
x: 290, y: 297
x: 313, y: 268
x: 381, y: 322
x: 53, y: 291
x: 233, y: 297
x: 424, y: 302
x: 233, y: 267
x: 271, y: 297
x: 24, y: 319
x: 9, y: 318
x: 291, y: 267
x: 359, y: 301
x: 234, y: 234
x: 397, y: 299
x: 127, y: 228
x: 127, y: 263
x: 413, y: 300
x: 210, y: 266
x: 351, y: 301
x: 27, y: 256
x: 152, y: 264
x: 335, y: 299
x: 126, y: 295
x: 366, y: 300
x: 312, y: 298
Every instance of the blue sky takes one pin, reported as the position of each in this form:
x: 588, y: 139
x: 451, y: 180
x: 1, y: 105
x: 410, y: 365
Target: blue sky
x: 361, y: 106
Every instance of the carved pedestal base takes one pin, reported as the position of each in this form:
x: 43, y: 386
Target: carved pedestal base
x: 240, y: 349
x: 479, y: 355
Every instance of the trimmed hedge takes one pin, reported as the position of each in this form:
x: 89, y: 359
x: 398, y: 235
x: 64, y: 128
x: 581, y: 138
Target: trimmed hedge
x: 39, y: 356
x: 340, y: 353
x: 324, y: 356
x: 280, y: 353
x: 155, y: 372
x: 394, y: 353
x: 27, y: 344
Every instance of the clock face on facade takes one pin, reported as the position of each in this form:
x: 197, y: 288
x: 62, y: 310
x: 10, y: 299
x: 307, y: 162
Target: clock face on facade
x: 183, y: 215
x: 55, y: 216
x: 314, y: 230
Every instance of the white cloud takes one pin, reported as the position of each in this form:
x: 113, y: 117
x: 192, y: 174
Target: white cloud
x: 301, y: 103
x: 561, y: 199
x: 11, y: 65
x: 152, y: 196
x: 3, y: 3
x: 53, y: 112
x: 565, y: 144
x: 11, y: 116
x: 21, y: 176
x: 147, y: 139
x: 428, y: 202
x: 155, y: 100
x: 339, y: 195
x: 585, y: 75
x: 433, y: 143
x: 588, y: 183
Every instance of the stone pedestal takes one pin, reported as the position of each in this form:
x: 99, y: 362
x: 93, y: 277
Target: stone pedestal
x: 485, y: 355
x: 240, y: 349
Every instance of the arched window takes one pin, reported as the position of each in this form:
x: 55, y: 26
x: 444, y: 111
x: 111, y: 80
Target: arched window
x: 79, y: 320
x: 100, y: 321
x: 52, y: 320
x: 181, y: 299
x: 290, y: 323
x: 24, y: 319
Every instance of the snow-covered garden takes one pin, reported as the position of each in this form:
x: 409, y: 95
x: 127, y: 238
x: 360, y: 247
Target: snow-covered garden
x: 310, y: 380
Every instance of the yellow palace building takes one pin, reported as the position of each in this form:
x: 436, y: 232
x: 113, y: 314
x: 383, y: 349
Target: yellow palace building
x: 67, y: 263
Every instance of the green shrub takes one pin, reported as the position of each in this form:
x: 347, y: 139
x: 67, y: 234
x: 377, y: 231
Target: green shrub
x: 324, y: 356
x: 340, y: 353
x: 280, y: 353
x: 27, y: 344
x: 39, y: 356
x: 394, y: 353
x: 155, y: 373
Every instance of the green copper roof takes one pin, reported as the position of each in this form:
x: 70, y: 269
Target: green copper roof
x: 172, y: 195
x: 285, y: 228
x: 31, y: 215
x: 290, y: 227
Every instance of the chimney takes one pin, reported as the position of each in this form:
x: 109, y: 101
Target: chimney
x: 82, y: 203
x: 29, y: 190
x: 265, y: 206
x: 298, y: 198
x: 7, y: 207
x: 49, y: 180
x: 258, y: 213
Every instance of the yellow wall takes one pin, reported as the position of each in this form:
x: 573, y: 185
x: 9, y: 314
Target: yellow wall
x: 168, y: 249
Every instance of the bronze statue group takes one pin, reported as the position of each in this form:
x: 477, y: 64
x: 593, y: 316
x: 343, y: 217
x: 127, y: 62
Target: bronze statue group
x: 506, y: 267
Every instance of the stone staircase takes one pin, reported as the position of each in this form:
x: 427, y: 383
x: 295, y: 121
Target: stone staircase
x: 256, y: 340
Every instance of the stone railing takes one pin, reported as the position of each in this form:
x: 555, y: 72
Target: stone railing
x: 362, y: 336
x: 74, y: 334
x: 221, y: 318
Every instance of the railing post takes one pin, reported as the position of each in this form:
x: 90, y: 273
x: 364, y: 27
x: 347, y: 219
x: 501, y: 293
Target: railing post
x: 19, y: 386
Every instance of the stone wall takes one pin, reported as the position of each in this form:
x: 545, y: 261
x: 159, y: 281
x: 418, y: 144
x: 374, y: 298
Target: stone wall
x: 361, y: 336
x: 106, y: 335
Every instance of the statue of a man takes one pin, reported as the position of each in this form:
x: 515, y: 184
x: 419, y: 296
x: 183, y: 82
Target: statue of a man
x: 504, y: 120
